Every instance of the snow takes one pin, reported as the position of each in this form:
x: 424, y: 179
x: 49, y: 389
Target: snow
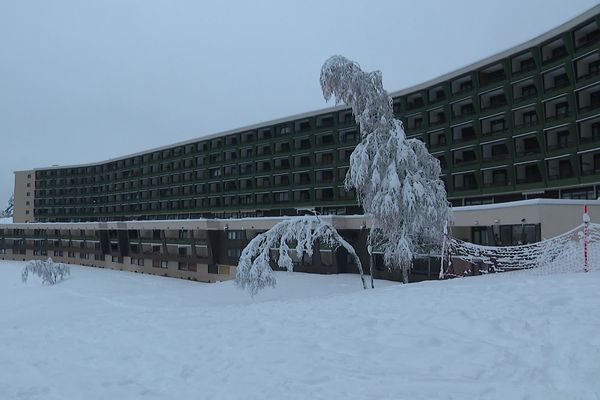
x: 104, y: 334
